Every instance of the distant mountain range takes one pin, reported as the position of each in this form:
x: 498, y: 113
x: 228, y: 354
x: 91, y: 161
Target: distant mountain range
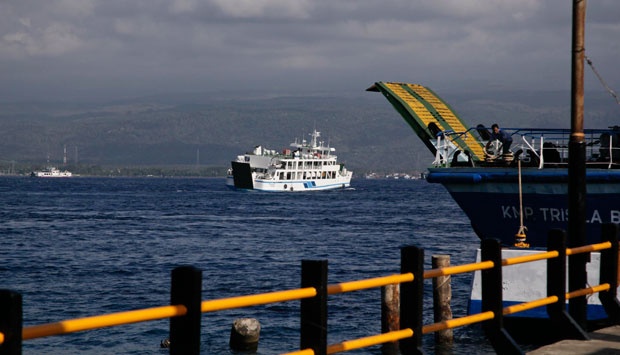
x: 205, y: 131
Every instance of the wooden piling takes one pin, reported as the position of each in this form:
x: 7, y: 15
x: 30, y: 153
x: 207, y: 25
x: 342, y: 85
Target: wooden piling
x: 390, y: 315
x: 244, y: 334
x: 442, y: 296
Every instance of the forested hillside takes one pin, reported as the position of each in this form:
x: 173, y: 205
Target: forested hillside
x: 203, y: 131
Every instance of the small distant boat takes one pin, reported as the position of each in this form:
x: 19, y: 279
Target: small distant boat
x: 51, y: 171
x: 306, y: 167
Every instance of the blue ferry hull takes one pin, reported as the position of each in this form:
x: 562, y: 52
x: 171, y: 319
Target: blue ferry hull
x: 490, y: 198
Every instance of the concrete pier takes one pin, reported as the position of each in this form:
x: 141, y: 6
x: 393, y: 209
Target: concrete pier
x: 602, y: 341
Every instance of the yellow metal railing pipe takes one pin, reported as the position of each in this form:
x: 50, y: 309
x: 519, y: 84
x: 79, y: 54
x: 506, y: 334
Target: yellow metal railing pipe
x: 301, y: 352
x: 107, y: 320
x: 255, y: 300
x: 587, y: 291
x: 529, y: 258
x: 369, y: 341
x: 369, y: 283
x: 458, y: 322
x: 458, y: 269
x: 521, y: 307
x: 588, y: 248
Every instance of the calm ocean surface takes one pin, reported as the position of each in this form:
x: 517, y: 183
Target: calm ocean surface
x: 86, y: 246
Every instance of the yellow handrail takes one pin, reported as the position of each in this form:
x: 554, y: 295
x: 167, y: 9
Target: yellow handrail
x: 521, y: 307
x: 369, y: 283
x: 458, y: 269
x: 587, y: 291
x: 300, y: 352
x: 369, y: 341
x: 255, y: 300
x: 529, y: 258
x: 588, y: 248
x: 458, y: 322
x: 108, y: 320
x: 360, y: 342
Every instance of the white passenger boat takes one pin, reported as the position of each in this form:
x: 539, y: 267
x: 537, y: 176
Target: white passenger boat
x: 51, y: 171
x: 305, y: 167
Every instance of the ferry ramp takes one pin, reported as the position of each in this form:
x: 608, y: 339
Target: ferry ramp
x: 429, y: 115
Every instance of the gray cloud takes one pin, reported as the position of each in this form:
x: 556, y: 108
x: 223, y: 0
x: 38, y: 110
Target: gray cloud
x: 80, y: 49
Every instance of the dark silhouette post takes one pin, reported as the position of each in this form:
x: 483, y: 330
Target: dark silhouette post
x: 577, y: 169
x: 411, y: 299
x: 314, y: 310
x: 609, y: 272
x: 492, y: 299
x: 563, y: 325
x: 185, y: 330
x: 11, y: 322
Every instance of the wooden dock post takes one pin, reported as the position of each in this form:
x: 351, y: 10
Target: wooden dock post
x: 442, y: 296
x: 390, y: 315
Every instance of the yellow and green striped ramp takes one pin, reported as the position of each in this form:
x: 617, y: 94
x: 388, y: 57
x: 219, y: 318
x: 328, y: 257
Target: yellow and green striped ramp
x: 427, y: 114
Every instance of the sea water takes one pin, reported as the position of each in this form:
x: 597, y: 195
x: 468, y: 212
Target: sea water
x: 85, y: 246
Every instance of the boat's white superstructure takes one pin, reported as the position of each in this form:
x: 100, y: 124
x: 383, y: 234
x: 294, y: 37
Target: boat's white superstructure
x: 51, y: 171
x: 307, y: 166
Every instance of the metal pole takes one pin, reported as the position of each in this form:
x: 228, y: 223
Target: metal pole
x: 11, y: 322
x: 609, y: 272
x: 412, y: 298
x: 314, y: 310
x: 563, y: 326
x: 577, y: 168
x: 492, y: 300
x: 185, y: 330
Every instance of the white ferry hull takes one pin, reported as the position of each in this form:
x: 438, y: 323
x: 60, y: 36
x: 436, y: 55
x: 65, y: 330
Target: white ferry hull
x: 292, y: 185
x: 528, y: 281
x: 303, y: 185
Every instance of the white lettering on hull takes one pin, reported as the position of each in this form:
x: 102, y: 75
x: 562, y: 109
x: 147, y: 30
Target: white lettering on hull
x: 550, y: 214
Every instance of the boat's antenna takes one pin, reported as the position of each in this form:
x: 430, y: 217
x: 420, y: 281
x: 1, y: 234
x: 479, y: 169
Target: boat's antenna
x: 600, y: 78
x: 520, y: 236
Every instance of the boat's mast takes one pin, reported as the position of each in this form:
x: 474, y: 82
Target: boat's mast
x: 577, y: 168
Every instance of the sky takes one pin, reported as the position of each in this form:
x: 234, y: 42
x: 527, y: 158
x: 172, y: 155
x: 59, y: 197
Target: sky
x: 116, y: 49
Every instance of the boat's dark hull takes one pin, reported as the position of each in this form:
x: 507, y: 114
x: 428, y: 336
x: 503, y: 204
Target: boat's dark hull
x: 490, y: 198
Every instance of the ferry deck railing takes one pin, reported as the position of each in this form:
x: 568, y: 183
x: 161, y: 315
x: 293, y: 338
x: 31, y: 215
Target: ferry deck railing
x: 186, y: 305
x: 540, y: 146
